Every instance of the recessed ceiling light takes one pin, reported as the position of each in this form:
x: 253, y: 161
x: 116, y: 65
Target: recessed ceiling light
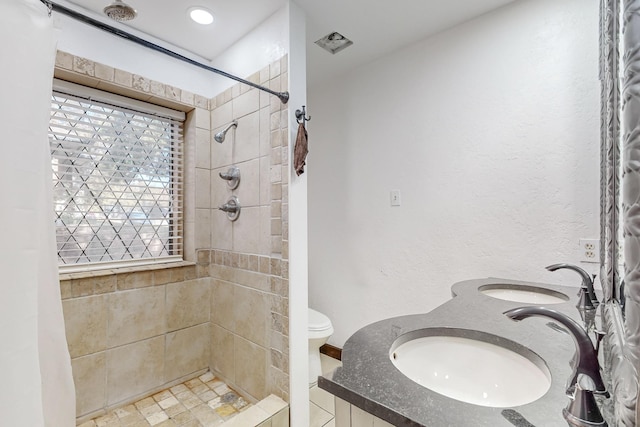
x: 200, y: 15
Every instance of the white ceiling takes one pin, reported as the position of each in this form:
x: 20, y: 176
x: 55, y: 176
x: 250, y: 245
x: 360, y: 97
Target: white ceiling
x: 376, y: 27
x: 168, y: 20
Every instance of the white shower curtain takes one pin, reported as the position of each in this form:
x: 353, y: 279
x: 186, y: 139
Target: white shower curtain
x: 35, y: 369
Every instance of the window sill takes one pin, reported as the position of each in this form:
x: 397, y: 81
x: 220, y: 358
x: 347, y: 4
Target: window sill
x: 122, y: 270
x: 87, y: 283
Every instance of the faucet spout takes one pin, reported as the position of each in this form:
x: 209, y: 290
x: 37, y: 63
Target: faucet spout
x: 586, y: 360
x: 589, y: 300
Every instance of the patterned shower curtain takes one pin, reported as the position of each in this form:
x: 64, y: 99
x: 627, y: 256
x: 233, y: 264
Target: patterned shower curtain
x: 35, y: 368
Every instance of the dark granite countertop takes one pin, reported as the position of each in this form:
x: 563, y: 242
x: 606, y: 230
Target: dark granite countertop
x: 369, y: 380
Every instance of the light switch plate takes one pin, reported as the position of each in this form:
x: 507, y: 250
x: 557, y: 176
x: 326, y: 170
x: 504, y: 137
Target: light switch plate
x: 395, y: 197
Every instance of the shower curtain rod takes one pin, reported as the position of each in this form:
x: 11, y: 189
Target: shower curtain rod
x: 283, y: 96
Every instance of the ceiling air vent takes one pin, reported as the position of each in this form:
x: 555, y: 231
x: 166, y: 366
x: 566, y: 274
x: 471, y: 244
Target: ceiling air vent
x: 334, y: 42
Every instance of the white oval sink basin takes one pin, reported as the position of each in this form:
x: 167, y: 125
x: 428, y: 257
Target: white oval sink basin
x: 524, y: 294
x: 472, y: 371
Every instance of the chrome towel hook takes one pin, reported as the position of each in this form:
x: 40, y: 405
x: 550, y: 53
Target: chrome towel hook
x: 301, y: 116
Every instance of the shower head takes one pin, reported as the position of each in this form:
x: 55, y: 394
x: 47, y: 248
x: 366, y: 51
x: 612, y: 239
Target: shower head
x: 220, y: 135
x: 120, y: 11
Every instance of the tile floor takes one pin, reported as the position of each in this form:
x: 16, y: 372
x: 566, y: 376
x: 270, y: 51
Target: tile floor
x: 321, y: 403
x: 208, y: 402
x: 201, y: 402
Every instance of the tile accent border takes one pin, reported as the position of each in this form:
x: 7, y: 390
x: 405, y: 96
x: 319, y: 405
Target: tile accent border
x: 93, y: 74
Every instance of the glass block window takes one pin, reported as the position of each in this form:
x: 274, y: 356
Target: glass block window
x: 117, y: 178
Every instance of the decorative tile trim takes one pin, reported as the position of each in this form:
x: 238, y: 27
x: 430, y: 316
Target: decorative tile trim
x: 97, y: 75
x: 241, y: 261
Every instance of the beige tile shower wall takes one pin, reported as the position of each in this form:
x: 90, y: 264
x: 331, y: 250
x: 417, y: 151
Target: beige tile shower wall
x: 248, y: 259
x: 131, y: 333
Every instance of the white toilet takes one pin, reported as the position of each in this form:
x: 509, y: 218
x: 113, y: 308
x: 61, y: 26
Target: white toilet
x: 320, y: 329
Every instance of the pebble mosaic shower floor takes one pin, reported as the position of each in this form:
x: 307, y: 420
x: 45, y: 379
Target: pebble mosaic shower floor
x: 205, y: 401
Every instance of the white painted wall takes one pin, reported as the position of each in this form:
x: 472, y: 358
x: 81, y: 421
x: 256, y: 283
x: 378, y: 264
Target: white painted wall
x: 266, y: 43
x: 491, y: 132
x: 298, y: 238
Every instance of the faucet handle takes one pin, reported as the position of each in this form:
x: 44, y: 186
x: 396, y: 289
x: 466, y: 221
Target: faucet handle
x: 583, y: 410
x: 584, y: 300
x: 585, y: 383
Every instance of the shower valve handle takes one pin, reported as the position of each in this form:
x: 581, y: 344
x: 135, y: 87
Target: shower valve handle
x: 229, y: 207
x: 227, y: 176
x: 232, y: 208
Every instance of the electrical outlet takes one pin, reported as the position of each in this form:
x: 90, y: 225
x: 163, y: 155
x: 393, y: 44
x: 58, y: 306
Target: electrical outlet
x: 590, y: 250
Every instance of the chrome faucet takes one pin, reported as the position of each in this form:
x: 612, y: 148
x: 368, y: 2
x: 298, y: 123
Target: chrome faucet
x: 586, y: 358
x: 588, y: 299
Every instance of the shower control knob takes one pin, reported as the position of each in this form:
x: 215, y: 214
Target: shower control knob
x: 232, y: 176
x: 232, y: 208
x: 229, y: 207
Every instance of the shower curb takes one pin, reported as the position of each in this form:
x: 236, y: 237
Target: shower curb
x: 269, y: 412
